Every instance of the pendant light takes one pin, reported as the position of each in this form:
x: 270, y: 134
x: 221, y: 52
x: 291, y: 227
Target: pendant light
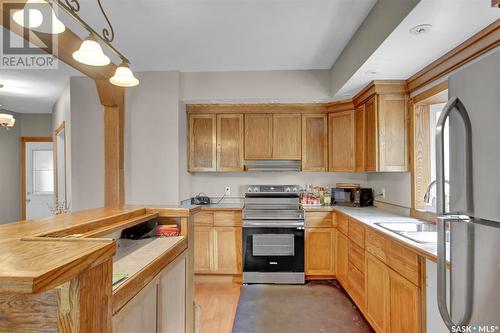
x: 124, y: 77
x: 90, y: 53
x: 35, y: 20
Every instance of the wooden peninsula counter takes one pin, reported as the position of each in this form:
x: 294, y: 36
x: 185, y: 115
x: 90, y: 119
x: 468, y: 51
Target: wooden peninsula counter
x: 56, y: 273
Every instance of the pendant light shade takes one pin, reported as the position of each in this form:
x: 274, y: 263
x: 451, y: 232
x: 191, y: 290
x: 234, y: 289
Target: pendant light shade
x: 35, y: 20
x: 56, y: 26
x: 90, y: 53
x: 124, y: 77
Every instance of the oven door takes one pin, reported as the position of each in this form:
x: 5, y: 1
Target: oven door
x: 273, y: 249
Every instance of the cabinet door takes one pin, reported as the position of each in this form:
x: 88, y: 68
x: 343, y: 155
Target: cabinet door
x: 202, y: 142
x: 314, y: 142
x: 320, y: 251
x: 140, y: 313
x: 341, y: 141
x: 172, y: 297
x: 287, y: 136
x: 404, y: 306
x: 203, y: 249
x: 359, y: 141
x: 392, y: 135
x: 342, y: 258
x: 377, y: 293
x: 230, y: 142
x: 227, y: 254
x: 371, y: 137
x: 258, y: 136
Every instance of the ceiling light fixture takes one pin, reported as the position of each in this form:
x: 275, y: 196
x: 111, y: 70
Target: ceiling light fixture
x: 7, y: 120
x: 124, y: 77
x: 35, y: 17
x: 420, y: 29
x: 372, y: 72
x: 90, y: 53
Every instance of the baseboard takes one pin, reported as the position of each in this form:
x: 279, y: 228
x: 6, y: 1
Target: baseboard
x: 218, y: 278
x: 320, y: 277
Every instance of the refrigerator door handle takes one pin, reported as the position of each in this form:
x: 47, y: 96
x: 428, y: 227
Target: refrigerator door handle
x: 453, y: 103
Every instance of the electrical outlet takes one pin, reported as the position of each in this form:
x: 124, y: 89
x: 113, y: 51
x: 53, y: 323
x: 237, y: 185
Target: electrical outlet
x: 227, y: 190
x: 382, y: 195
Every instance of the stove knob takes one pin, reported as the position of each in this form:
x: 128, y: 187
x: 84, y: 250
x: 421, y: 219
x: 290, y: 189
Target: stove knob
x: 294, y: 189
x: 287, y: 189
x: 256, y: 189
x: 249, y: 190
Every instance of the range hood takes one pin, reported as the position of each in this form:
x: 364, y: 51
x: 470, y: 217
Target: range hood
x: 273, y: 165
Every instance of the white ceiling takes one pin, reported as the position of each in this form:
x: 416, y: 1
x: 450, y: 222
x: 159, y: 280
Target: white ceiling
x: 402, y: 54
x: 203, y: 35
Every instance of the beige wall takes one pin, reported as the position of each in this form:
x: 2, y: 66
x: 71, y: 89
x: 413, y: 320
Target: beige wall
x: 152, y: 139
x: 255, y: 86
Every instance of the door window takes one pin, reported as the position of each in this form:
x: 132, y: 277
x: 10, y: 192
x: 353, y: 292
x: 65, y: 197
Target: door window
x: 43, y: 172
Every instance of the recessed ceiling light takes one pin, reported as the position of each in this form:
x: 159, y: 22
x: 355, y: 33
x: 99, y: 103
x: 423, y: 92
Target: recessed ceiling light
x: 372, y: 71
x: 1, y: 86
x: 420, y: 29
x: 347, y: 95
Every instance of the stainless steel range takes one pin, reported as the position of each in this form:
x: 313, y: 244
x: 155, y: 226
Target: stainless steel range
x: 273, y: 235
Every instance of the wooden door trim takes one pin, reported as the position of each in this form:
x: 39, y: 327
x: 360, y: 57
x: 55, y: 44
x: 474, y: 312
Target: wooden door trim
x: 58, y: 130
x: 25, y: 139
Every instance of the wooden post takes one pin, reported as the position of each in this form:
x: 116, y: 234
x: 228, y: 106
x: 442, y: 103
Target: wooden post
x: 113, y: 100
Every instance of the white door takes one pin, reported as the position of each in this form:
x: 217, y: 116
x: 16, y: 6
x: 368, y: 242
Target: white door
x: 39, y: 194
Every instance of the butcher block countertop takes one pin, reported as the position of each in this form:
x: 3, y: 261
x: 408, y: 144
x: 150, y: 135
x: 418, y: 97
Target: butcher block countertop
x: 38, y: 255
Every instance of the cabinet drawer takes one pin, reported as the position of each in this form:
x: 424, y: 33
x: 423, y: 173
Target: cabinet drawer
x: 375, y: 244
x: 342, y: 223
x: 404, y: 261
x: 356, y: 286
x: 204, y: 219
x: 357, y: 233
x: 227, y: 218
x: 319, y: 219
x: 356, y: 256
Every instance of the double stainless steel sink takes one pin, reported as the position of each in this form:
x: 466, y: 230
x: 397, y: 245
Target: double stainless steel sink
x: 420, y: 232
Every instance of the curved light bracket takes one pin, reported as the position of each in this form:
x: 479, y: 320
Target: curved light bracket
x: 72, y: 7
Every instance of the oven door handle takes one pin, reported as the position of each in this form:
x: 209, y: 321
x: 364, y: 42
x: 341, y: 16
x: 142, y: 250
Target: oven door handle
x: 288, y: 224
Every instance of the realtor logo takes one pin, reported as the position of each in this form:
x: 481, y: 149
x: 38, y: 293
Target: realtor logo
x: 28, y: 41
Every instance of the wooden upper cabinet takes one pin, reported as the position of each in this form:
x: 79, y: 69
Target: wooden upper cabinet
x: 314, y: 142
x: 229, y: 142
x: 392, y: 140
x: 381, y: 116
x: 202, y: 142
x: 359, y: 139
x: 370, y: 140
x: 258, y: 136
x: 287, y: 136
x: 341, y: 127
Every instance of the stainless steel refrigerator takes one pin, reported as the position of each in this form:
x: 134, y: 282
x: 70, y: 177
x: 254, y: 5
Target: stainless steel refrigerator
x: 471, y: 209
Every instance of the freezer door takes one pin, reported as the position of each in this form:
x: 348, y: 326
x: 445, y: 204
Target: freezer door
x: 485, y: 272
x: 477, y: 86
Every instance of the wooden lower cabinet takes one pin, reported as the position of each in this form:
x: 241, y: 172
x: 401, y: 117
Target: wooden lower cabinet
x: 203, y: 249
x: 139, y: 315
x: 377, y: 293
x: 342, y: 258
x: 227, y: 250
x: 320, y: 251
x: 160, y: 307
x: 217, y: 249
x: 404, y: 305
